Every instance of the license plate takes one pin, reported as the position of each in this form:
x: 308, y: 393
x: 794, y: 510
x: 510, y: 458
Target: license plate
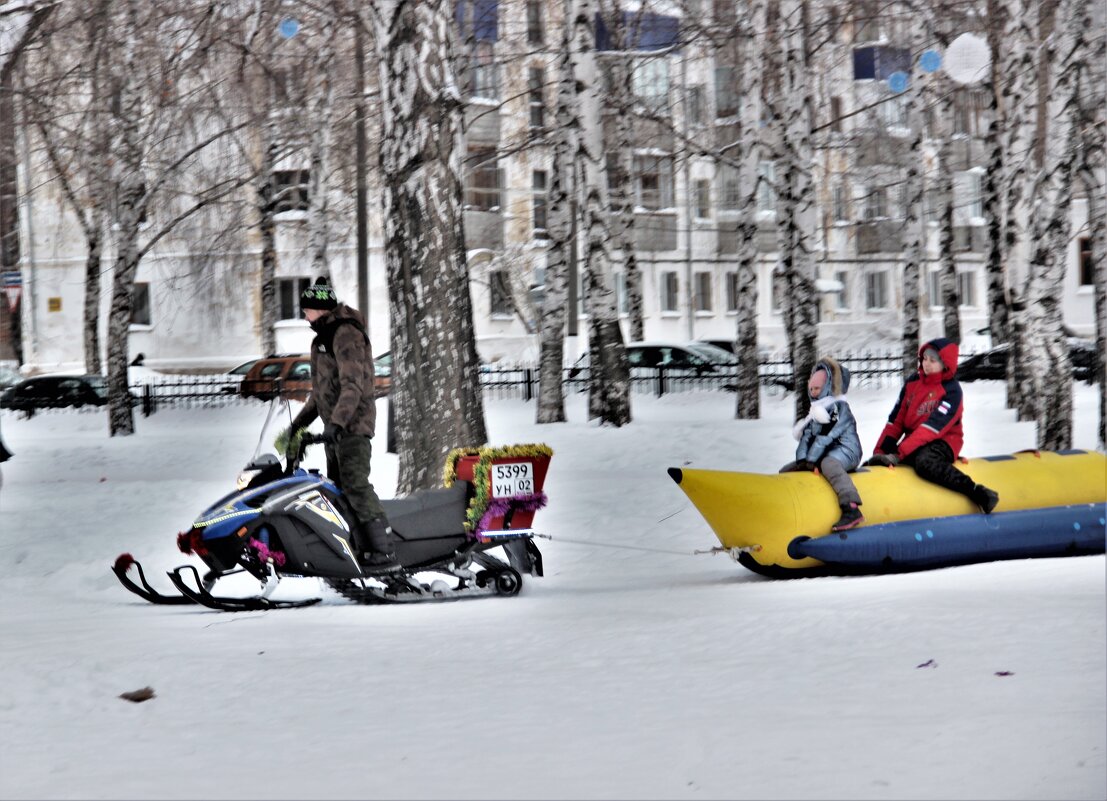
x: 513, y: 479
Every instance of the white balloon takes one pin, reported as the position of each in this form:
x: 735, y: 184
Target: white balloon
x: 967, y: 59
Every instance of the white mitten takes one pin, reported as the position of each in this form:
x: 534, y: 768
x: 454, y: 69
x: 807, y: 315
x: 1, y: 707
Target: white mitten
x: 820, y: 414
x: 797, y: 429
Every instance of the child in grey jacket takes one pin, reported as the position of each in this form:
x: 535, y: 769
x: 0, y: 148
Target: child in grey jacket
x: 828, y: 440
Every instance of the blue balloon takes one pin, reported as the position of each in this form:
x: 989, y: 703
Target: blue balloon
x: 289, y: 27
x: 930, y: 61
x: 897, y: 81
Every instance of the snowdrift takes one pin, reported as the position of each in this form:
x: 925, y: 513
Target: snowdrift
x: 777, y: 524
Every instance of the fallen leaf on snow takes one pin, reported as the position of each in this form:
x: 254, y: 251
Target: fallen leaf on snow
x: 138, y: 696
x: 928, y: 663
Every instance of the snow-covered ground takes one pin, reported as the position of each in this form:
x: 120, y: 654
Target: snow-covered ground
x: 633, y: 669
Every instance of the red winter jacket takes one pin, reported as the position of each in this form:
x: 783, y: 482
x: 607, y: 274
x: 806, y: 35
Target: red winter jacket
x: 929, y: 408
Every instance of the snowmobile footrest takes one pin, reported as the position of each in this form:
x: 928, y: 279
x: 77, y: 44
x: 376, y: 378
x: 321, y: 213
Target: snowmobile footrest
x: 123, y: 564
x: 201, y: 596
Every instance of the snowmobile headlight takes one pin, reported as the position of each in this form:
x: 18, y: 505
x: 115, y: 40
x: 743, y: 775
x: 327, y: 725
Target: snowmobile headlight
x: 245, y: 477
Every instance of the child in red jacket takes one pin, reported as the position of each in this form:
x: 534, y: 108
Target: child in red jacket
x: 924, y: 429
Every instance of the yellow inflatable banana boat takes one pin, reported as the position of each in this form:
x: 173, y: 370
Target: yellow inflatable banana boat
x: 758, y: 517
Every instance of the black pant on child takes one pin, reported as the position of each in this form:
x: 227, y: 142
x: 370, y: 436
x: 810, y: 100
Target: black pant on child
x: 934, y: 462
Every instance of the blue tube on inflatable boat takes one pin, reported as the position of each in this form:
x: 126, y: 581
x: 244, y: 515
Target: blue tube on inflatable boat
x: 936, y: 541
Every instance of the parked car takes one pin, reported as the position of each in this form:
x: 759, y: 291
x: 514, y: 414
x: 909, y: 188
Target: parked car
x: 763, y: 351
x: 294, y: 373
x: 57, y: 392
x: 992, y: 364
x: 9, y: 376
x: 680, y: 360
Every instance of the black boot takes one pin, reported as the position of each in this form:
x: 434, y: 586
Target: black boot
x: 377, y: 535
x: 985, y: 498
x: 851, y: 518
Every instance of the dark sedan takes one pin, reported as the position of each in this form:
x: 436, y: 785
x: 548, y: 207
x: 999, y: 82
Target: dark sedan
x: 56, y: 392
x: 992, y: 364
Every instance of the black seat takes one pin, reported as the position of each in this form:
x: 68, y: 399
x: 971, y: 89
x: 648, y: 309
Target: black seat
x: 428, y: 514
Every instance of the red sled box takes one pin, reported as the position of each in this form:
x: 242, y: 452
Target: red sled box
x: 508, y: 489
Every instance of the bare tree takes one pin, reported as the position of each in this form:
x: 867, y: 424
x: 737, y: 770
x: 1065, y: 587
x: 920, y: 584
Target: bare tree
x: 609, y: 375
x: 551, y: 404
x: 795, y: 186
x: 747, y: 401
x: 436, y: 389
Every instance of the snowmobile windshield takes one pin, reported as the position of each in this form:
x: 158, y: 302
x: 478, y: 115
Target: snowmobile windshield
x: 278, y: 418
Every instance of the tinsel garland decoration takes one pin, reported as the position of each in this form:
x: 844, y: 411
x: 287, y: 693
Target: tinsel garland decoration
x: 475, y: 515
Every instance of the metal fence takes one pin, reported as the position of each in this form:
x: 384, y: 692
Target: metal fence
x: 520, y: 381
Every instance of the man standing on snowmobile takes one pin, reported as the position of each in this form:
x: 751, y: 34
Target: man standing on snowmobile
x: 343, y: 396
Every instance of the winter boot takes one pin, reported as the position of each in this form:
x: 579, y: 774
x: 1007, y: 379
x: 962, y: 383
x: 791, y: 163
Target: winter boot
x: 377, y: 534
x: 851, y: 518
x: 985, y: 498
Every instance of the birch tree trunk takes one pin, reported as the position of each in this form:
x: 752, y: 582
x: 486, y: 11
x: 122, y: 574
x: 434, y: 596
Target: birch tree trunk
x: 947, y: 261
x: 992, y: 185
x: 914, y: 223
x: 321, y: 123
x: 129, y: 190
x: 436, y: 380
x: 559, y: 224
x: 1020, y: 119
x: 747, y: 402
x: 266, y: 204
x: 622, y: 186
x: 796, y: 205
x: 1093, y: 162
x: 1050, y: 365
x: 609, y: 375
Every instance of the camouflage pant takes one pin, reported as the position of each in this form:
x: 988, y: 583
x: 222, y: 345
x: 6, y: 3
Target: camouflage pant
x: 348, y: 465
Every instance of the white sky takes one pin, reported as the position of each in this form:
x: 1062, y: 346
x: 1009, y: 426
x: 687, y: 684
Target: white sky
x: 623, y: 673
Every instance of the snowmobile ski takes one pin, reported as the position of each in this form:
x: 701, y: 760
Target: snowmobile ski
x: 201, y: 596
x: 123, y: 563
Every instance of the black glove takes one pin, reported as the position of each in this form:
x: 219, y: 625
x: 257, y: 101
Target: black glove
x: 801, y: 466
x: 883, y: 460
x: 332, y: 432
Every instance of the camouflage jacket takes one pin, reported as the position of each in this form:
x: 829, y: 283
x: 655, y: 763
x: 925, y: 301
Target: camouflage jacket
x: 341, y: 374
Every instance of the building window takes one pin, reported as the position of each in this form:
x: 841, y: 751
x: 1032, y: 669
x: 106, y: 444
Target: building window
x: 726, y: 92
x: 876, y: 290
x: 866, y: 21
x: 974, y: 196
x: 290, y: 190
x: 499, y: 294
x: 893, y: 111
x: 651, y: 83
x: 670, y: 298
x: 777, y: 292
x: 653, y: 182
x: 703, y: 198
x: 536, y: 85
x: 484, y: 77
x: 534, y: 22
x: 288, y: 296
x: 539, y: 221
x: 1087, y: 262
x: 841, y: 297
x: 729, y: 192
x: 732, y: 291
x: 140, y: 306
x: 836, y: 114
x: 622, y: 300
x: 966, y: 287
x: 701, y: 297
x: 482, y: 187
x: 695, y: 105
x: 766, y: 191
x: 934, y: 288
x: 879, y: 62
x: 839, y: 204
x: 875, y: 203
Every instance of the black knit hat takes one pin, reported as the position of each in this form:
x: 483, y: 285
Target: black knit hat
x: 319, y: 295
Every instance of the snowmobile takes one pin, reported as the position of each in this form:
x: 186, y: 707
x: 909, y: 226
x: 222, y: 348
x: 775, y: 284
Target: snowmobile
x: 285, y: 520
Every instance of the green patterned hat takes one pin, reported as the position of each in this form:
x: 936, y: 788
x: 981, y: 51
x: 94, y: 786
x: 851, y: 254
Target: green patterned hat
x: 319, y: 295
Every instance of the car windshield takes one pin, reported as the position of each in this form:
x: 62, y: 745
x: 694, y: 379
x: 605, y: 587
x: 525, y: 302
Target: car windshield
x: 382, y: 365
x: 99, y: 385
x: 243, y: 368
x: 711, y: 353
